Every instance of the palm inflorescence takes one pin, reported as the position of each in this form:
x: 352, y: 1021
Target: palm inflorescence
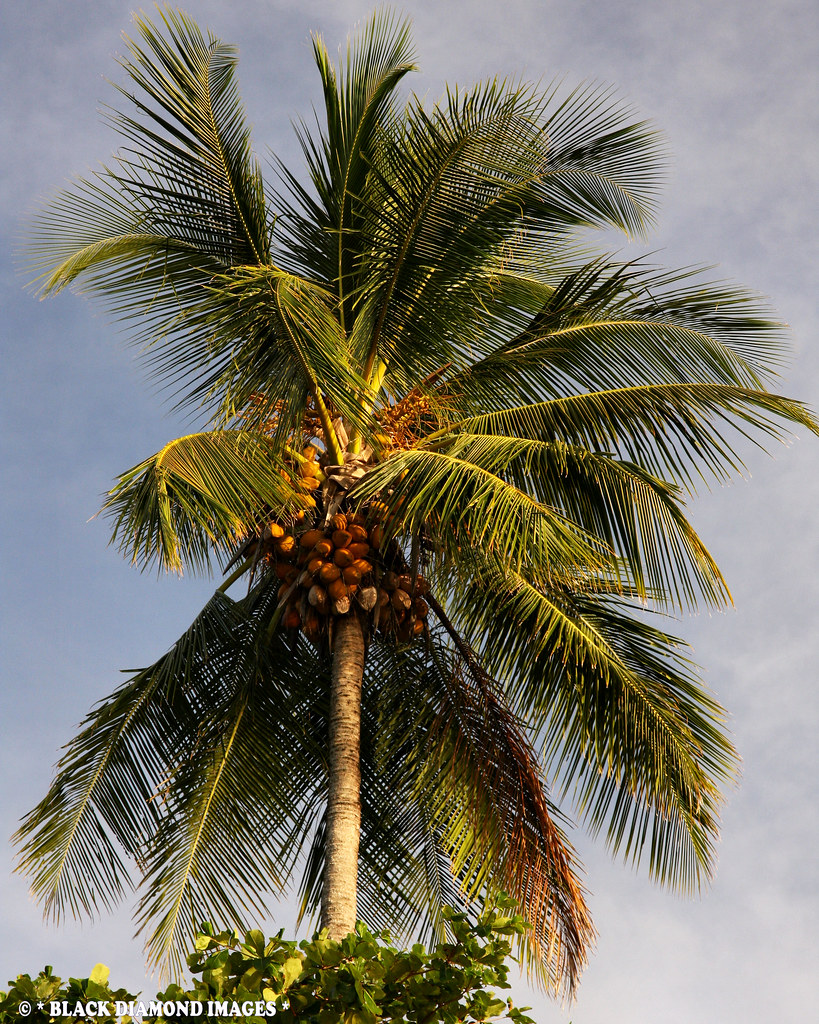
x: 429, y: 407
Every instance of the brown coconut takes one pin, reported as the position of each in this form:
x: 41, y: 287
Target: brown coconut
x: 367, y: 597
x: 337, y: 589
x: 324, y: 548
x: 310, y: 538
x: 329, y: 572
x: 343, y: 557
x: 389, y: 581
x: 286, y: 545
x: 317, y: 596
x: 351, y: 574
x: 342, y: 538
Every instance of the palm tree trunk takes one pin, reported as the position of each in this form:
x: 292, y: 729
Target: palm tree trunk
x: 339, y: 891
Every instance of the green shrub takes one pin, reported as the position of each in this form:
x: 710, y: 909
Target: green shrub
x: 363, y: 979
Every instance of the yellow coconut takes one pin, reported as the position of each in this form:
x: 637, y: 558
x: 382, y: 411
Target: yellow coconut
x: 286, y: 545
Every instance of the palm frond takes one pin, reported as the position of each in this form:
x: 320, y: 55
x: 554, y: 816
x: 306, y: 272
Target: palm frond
x: 183, y: 202
x: 483, y: 789
x: 637, y: 516
x: 101, y: 804
x: 457, y: 494
x: 357, y: 99
x: 622, y: 715
x: 485, y: 173
x: 196, y: 496
x: 607, y: 326
x: 673, y: 430
x: 201, y: 771
x: 192, y: 161
x: 237, y: 808
x: 603, y: 169
x: 273, y: 334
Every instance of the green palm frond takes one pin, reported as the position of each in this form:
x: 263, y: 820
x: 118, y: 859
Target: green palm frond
x: 483, y: 170
x: 606, y: 325
x: 626, y: 724
x: 356, y: 100
x: 188, y: 182
x: 634, y: 516
x: 184, y: 202
x: 676, y: 430
x: 236, y: 809
x: 637, y: 516
x: 276, y: 335
x: 192, y: 162
x: 101, y: 802
x: 201, y: 769
x: 196, y: 496
x: 457, y: 493
x: 603, y: 168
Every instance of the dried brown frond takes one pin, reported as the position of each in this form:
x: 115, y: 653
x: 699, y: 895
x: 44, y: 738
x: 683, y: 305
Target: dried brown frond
x: 530, y: 856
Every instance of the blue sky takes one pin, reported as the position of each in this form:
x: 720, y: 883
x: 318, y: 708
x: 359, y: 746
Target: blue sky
x: 735, y: 89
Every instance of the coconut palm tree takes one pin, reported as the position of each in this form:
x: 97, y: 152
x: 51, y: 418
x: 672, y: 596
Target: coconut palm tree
x: 445, y: 453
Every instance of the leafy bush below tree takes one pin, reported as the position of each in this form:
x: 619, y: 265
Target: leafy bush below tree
x: 362, y: 979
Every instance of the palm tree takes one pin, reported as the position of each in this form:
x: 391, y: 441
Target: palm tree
x: 445, y: 449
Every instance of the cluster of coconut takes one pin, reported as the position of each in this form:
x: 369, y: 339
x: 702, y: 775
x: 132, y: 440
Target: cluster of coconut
x: 323, y: 572
x: 307, y: 476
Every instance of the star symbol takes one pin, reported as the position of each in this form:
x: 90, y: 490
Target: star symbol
x: 39, y: 1006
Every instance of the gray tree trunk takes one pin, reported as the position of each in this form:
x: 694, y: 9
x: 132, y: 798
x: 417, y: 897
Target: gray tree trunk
x: 339, y: 892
